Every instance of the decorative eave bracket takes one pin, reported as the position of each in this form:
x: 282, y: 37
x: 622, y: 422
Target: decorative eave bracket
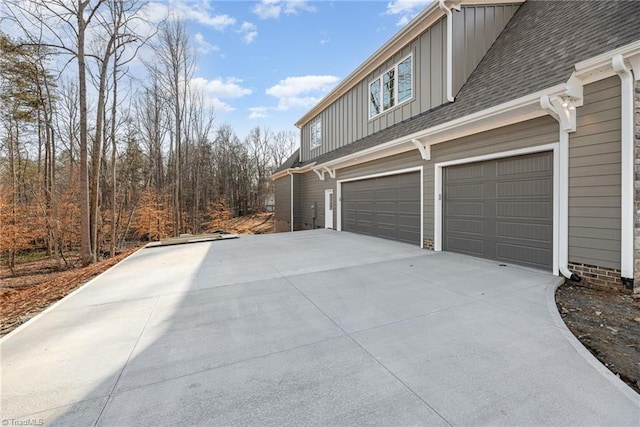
x: 563, y: 107
x: 425, y: 149
x: 321, y: 171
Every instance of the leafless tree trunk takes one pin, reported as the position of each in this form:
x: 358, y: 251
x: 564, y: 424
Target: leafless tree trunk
x: 176, y: 66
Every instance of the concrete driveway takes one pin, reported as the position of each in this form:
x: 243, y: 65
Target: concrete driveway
x: 303, y: 328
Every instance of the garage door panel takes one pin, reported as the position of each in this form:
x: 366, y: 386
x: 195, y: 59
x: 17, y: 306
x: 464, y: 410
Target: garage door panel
x: 523, y: 165
x: 511, y: 220
x: 387, y: 207
x: 522, y: 209
x: 466, y: 172
x: 466, y: 209
x: 465, y: 226
x: 523, y: 255
x: 533, y: 188
x: 511, y: 230
x: 467, y: 246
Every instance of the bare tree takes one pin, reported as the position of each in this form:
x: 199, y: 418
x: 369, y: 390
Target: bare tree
x: 176, y: 65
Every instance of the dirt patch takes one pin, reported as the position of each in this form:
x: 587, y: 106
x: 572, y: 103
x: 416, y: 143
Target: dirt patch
x: 606, y: 323
x: 36, y: 285
x: 262, y: 223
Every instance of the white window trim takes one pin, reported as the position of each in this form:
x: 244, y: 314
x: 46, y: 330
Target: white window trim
x: 337, y: 200
x: 311, y: 132
x: 438, y: 190
x: 395, y: 88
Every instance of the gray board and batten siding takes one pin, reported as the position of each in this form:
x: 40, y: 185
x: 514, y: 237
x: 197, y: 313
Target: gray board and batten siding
x: 475, y: 28
x: 501, y: 209
x: 347, y: 120
x: 595, y: 177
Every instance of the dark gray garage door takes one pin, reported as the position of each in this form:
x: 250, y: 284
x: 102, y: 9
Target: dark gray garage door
x: 501, y: 209
x: 386, y: 207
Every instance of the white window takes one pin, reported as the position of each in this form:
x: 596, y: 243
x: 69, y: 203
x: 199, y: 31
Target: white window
x: 395, y: 87
x: 405, y: 80
x: 374, y: 98
x: 316, y: 134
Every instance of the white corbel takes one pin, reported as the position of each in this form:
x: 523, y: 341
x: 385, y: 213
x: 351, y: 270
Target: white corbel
x: 425, y: 150
x: 319, y: 173
x: 331, y: 172
x: 563, y: 109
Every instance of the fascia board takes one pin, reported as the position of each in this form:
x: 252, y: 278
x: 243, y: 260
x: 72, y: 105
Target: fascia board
x: 599, y: 67
x: 285, y: 172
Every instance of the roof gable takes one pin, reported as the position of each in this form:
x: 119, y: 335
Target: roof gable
x: 538, y: 49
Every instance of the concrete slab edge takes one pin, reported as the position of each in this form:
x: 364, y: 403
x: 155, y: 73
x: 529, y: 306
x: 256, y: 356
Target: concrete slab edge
x: 581, y: 349
x: 189, y: 241
x: 55, y: 304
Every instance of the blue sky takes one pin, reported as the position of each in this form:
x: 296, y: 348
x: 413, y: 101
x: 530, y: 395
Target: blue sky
x: 265, y: 63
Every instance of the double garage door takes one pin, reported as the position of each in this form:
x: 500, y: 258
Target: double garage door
x: 501, y: 209
x: 498, y: 209
x: 387, y: 206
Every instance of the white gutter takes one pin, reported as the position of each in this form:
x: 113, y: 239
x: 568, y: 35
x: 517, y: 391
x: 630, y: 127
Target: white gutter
x: 626, y: 196
x: 447, y: 11
x: 289, y: 171
x: 599, y: 67
x: 563, y: 109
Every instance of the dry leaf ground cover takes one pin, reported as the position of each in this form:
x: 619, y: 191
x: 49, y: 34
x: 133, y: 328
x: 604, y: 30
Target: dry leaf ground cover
x: 37, y: 284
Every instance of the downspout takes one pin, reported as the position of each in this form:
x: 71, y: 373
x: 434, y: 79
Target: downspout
x: 291, y: 176
x: 449, y: 14
x: 627, y: 163
x: 563, y: 110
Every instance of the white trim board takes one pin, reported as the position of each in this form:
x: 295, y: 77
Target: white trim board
x: 338, y: 199
x: 438, y: 183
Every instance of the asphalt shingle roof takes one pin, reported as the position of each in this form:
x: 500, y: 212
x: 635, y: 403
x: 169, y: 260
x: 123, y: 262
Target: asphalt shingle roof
x: 537, y: 49
x: 290, y: 162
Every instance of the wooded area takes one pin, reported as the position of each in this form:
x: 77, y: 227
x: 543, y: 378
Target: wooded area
x: 91, y: 156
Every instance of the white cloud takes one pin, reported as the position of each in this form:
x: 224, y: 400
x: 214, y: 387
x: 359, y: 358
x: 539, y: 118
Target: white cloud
x: 272, y: 9
x: 258, y: 112
x: 268, y: 9
x: 293, y: 7
x: 324, y: 41
x: 249, y: 32
x: 406, y: 9
x: 197, y: 11
x: 303, y: 91
x: 219, y: 88
x: 202, y: 45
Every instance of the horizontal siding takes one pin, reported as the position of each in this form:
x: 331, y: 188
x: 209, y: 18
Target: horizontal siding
x: 594, y: 177
x: 283, y: 204
x: 310, y: 189
x: 475, y: 28
x: 389, y: 164
x: 347, y: 119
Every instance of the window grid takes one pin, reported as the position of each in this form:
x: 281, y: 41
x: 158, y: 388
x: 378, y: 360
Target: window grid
x: 316, y: 134
x: 395, y: 86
